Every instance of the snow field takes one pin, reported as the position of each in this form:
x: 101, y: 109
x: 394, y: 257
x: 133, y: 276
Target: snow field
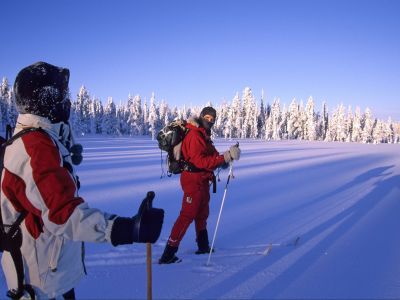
x: 342, y: 199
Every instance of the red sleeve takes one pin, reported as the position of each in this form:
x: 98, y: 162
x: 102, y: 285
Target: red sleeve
x: 199, y: 153
x: 54, y: 183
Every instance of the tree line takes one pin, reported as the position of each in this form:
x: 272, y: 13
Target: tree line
x: 242, y: 117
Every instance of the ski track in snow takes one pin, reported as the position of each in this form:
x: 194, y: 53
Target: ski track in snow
x: 342, y: 199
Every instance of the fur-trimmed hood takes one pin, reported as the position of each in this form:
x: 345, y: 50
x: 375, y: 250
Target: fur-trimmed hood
x: 194, y: 120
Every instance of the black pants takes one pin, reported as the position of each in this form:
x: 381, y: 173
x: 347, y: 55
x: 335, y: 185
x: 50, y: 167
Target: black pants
x: 70, y: 295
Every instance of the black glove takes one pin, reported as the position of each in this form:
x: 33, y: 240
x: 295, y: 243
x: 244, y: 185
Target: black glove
x: 76, y: 154
x: 145, y: 227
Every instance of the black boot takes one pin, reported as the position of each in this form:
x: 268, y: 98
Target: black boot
x: 169, y: 256
x: 202, y: 242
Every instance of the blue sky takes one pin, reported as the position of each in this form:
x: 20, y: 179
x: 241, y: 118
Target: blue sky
x: 191, y: 52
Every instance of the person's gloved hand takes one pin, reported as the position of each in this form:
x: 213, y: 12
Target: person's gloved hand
x: 233, y: 153
x: 145, y: 227
x: 76, y: 154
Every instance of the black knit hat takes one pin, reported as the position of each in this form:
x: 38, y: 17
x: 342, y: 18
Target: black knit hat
x: 208, y: 110
x: 42, y: 89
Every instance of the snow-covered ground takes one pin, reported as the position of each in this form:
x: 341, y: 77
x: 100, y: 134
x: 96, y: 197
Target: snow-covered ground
x: 342, y: 199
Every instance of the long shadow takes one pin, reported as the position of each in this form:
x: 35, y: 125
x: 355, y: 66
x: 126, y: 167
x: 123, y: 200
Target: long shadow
x: 353, y: 215
x: 350, y: 216
x: 279, y: 150
x: 260, y: 164
x: 377, y: 172
x: 124, y: 164
x: 119, y: 162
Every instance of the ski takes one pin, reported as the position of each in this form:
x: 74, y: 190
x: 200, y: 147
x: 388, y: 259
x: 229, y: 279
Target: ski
x: 293, y: 242
x: 251, y: 250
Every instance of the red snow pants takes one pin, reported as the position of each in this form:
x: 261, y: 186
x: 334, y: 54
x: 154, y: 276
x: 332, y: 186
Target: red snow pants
x: 195, y: 205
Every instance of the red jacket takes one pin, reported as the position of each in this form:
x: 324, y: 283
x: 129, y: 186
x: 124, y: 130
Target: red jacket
x: 198, y: 149
x: 35, y: 179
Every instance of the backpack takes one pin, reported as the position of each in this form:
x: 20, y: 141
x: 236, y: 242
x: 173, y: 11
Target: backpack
x: 169, y: 140
x: 11, y: 235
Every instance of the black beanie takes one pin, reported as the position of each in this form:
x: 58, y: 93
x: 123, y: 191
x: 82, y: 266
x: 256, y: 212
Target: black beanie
x: 208, y: 110
x: 42, y: 89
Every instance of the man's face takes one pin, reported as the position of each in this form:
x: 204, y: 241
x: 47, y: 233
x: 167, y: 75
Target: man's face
x: 209, y: 118
x: 208, y: 122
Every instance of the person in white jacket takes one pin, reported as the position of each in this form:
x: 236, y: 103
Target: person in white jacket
x: 39, y: 180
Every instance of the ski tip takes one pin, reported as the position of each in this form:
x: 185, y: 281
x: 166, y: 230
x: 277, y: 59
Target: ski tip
x: 267, y: 250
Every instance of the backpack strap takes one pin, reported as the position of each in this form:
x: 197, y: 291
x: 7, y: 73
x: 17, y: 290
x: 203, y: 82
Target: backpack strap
x: 20, y: 134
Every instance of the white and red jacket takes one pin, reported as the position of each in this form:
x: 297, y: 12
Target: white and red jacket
x: 36, y: 180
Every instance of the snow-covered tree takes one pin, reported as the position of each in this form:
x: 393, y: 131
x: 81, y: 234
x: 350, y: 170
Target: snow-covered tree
x: 122, y: 119
x: 261, y: 117
x: 153, y: 117
x: 293, y: 120
x: 357, y: 129
x: 254, y: 123
x: 81, y: 109
x: 283, y: 130
x: 368, y: 127
x: 222, y: 120
x: 145, y: 117
x: 110, y: 121
x: 349, y: 125
x: 248, y: 111
x: 311, y: 124
x: 174, y: 113
x: 379, y: 134
x: 302, y: 121
x: 237, y: 116
x: 389, y: 131
x: 273, y: 123
x: 322, y: 122
x: 4, y: 104
x: 164, y: 120
x: 12, y: 109
x: 136, y: 116
x: 337, y: 126
x: 98, y: 115
x: 229, y: 126
x: 396, y: 130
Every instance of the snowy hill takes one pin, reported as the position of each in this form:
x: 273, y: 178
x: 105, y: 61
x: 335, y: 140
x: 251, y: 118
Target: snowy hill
x: 342, y: 199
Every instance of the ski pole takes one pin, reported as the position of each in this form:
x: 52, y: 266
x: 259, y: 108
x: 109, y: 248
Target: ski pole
x: 147, y: 204
x: 149, y: 273
x: 220, y: 212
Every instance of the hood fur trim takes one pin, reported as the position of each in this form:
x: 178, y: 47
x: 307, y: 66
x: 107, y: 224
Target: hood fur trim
x: 194, y: 121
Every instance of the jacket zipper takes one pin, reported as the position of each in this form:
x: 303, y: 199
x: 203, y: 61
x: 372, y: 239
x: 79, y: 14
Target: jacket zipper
x: 55, y: 255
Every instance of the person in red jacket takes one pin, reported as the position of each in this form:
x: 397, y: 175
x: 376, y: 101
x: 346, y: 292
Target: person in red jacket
x: 202, y: 158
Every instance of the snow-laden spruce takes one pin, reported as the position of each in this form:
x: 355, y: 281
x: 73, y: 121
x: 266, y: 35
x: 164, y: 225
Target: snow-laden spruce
x: 241, y: 118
